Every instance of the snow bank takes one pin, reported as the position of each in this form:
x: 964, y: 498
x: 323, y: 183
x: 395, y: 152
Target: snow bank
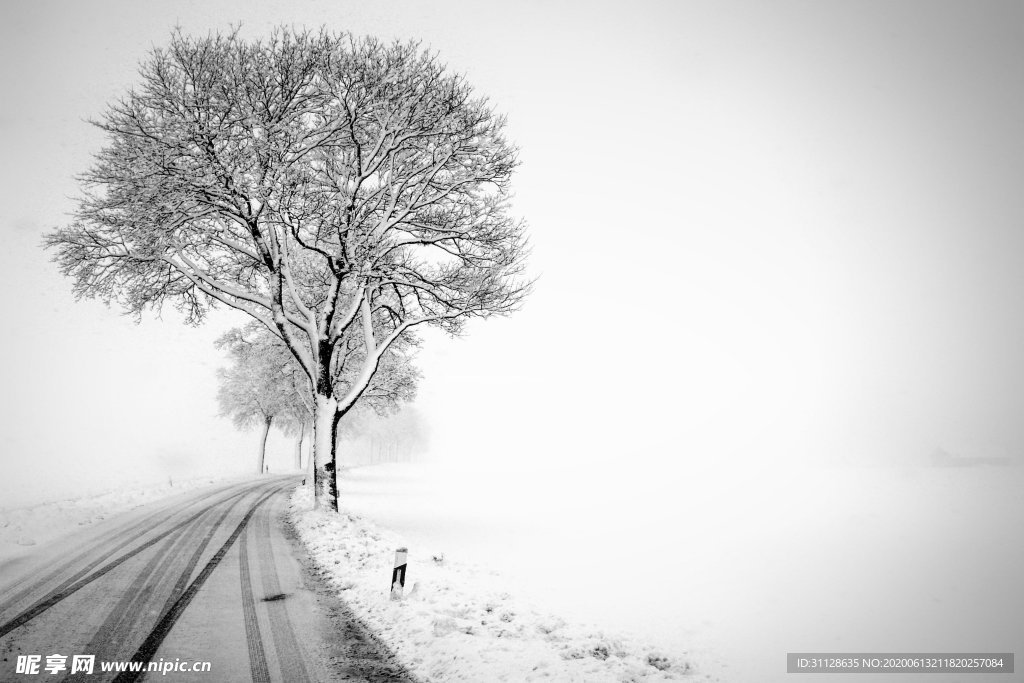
x: 457, y: 621
x: 22, y: 529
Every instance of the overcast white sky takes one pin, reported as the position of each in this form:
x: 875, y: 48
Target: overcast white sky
x: 778, y: 230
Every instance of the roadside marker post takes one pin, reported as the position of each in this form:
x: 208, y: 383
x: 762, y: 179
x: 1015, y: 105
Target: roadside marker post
x: 398, y: 573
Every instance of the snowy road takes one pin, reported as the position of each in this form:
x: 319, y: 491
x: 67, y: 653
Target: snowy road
x: 208, y: 577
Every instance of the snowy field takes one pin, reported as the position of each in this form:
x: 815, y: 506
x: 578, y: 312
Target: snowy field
x: 723, y: 571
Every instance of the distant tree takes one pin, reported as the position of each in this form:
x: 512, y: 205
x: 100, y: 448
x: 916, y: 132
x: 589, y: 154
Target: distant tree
x: 395, y: 436
x: 241, y: 399
x: 265, y: 383
x: 292, y: 390
x: 297, y: 430
x: 333, y: 188
x: 261, y: 384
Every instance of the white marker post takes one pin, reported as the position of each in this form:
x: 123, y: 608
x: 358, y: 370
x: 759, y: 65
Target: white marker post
x: 398, y: 574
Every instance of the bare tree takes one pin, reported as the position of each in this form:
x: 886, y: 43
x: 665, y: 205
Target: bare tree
x: 333, y: 188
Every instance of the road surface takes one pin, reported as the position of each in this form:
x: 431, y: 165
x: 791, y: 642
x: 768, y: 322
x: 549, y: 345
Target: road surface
x: 211, y: 580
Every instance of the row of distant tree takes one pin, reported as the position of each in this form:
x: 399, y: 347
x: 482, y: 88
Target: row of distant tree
x: 264, y: 386
x: 399, y: 437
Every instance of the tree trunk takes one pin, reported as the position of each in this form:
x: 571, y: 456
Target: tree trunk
x: 298, y: 448
x: 263, y: 443
x: 325, y: 485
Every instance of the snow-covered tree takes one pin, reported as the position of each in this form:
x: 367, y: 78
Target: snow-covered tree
x: 263, y: 383
x: 321, y: 183
x: 292, y: 395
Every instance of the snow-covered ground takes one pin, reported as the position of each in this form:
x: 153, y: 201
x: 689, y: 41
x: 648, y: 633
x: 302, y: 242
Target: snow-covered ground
x: 22, y: 529
x: 457, y: 620
x: 720, y: 571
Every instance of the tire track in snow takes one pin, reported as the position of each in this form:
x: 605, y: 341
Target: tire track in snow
x: 150, y: 584
x: 163, y: 514
x: 286, y: 645
x: 68, y: 588
x: 186, y: 573
x: 151, y: 644
x: 129, y: 609
x: 253, y: 638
